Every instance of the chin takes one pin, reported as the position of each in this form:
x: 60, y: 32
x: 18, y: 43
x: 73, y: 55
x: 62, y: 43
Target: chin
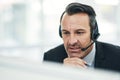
x: 77, y: 55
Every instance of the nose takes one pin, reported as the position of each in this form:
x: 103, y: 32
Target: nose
x: 72, y: 39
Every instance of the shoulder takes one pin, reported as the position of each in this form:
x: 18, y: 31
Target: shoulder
x: 108, y: 48
x: 107, y: 45
x: 56, y: 54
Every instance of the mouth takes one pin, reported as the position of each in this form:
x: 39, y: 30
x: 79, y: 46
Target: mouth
x: 74, y: 50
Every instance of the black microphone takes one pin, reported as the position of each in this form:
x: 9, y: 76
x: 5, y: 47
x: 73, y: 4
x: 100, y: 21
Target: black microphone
x: 83, y: 49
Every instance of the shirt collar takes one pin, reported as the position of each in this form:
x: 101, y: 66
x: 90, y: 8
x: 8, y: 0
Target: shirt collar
x: 90, y: 57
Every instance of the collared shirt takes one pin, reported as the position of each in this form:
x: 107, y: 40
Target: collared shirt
x: 90, y: 57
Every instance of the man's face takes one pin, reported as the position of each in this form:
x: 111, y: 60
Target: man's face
x: 76, y: 34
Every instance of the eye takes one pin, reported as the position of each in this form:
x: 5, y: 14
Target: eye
x: 65, y: 33
x: 80, y: 32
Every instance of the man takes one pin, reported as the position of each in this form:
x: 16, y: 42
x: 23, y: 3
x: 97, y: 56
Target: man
x: 79, y: 31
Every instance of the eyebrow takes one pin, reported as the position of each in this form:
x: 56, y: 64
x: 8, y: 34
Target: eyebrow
x: 75, y: 30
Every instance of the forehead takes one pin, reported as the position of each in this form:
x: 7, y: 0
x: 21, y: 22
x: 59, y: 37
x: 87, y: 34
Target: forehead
x: 77, y: 21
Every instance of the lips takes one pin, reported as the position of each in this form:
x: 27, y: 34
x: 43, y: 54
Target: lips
x: 74, y: 50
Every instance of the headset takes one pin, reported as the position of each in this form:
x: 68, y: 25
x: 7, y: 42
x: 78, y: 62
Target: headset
x: 94, y: 33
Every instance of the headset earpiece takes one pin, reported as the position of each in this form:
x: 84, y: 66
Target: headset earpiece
x: 95, y: 32
x: 60, y: 33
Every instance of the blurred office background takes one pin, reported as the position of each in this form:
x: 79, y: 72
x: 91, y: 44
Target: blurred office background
x: 28, y: 28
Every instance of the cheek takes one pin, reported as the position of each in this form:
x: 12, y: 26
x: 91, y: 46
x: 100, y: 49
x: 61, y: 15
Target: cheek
x: 84, y: 40
x: 65, y: 41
